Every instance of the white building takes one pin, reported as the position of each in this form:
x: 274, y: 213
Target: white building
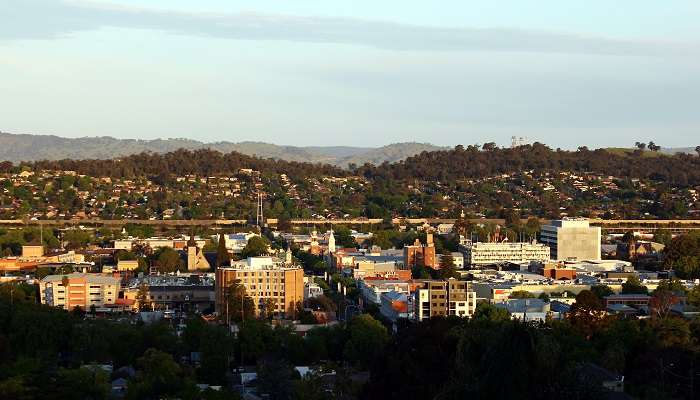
x: 235, y: 242
x: 155, y: 242
x: 529, y: 310
x: 443, y: 298
x: 373, y: 289
x: 572, y: 239
x: 312, y: 290
x: 79, y: 290
x: 493, y: 253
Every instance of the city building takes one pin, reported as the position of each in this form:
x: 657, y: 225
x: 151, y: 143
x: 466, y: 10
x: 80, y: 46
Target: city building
x: 443, y: 298
x: 312, y: 290
x: 481, y: 253
x: 553, y: 270
x: 235, y: 242
x: 127, y: 265
x: 79, y: 290
x: 419, y: 254
x: 372, y: 289
x: 177, y: 243
x: 529, y: 310
x: 172, y: 292
x: 632, y: 300
x: 572, y: 239
x: 264, y: 278
x: 369, y: 266
x: 395, y: 305
x: 196, y: 261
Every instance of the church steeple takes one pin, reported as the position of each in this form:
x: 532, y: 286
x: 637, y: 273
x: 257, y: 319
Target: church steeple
x: 331, y: 242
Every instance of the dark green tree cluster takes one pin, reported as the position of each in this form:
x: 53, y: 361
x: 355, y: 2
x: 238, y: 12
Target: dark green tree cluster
x: 492, y: 356
x: 682, y: 255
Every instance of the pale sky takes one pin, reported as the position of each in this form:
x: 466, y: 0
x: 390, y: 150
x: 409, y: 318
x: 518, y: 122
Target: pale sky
x: 356, y: 72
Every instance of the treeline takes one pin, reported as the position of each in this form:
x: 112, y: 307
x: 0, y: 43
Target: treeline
x: 44, y: 352
x: 203, y: 162
x: 474, y: 162
x: 458, y: 163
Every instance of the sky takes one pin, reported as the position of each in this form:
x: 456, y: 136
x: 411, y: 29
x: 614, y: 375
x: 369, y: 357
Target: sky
x: 365, y: 73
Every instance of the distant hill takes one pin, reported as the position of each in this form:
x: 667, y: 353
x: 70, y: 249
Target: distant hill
x: 25, y: 147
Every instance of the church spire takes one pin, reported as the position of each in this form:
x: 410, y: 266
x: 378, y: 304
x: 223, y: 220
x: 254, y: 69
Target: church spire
x: 331, y: 242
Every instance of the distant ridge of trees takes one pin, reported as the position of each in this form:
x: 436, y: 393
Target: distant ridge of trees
x: 475, y: 162
x: 203, y: 162
x: 469, y: 162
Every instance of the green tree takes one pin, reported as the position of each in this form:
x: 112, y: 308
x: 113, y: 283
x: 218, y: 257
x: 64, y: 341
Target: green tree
x: 663, y: 236
x: 216, y: 347
x: 587, y: 313
x: 159, y: 377
x: 368, y: 337
x: 343, y: 237
x: 488, y: 312
x: 256, y: 246
x: 602, y: 291
x: 169, y: 260
x: 673, y: 285
x: 275, y: 378
x: 682, y: 255
x: 694, y: 296
x: 142, y: 300
x: 634, y: 286
x: 77, y: 239
x: 521, y: 294
x: 447, y: 266
x: 80, y: 383
x: 238, y: 305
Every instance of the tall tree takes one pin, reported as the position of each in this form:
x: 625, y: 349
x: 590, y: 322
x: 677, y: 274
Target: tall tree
x: 447, y: 266
x: 239, y: 306
x: 222, y: 256
x: 587, y: 313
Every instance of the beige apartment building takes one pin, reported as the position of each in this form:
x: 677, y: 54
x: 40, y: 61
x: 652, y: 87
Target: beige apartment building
x: 444, y: 298
x: 493, y: 253
x: 264, y: 278
x: 572, y: 239
x: 79, y: 290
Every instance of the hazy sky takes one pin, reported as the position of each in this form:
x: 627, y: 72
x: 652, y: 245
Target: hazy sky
x: 356, y: 72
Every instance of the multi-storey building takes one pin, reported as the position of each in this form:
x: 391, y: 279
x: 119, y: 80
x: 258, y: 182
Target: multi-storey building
x: 264, y: 278
x: 373, y: 288
x: 167, y: 292
x: 422, y: 255
x: 444, y: 298
x: 572, y: 239
x: 493, y: 253
x: 79, y: 290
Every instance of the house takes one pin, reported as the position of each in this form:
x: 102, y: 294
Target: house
x: 632, y: 300
x: 395, y: 305
x: 529, y: 309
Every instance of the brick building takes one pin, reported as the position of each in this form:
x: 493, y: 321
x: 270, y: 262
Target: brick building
x: 419, y: 254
